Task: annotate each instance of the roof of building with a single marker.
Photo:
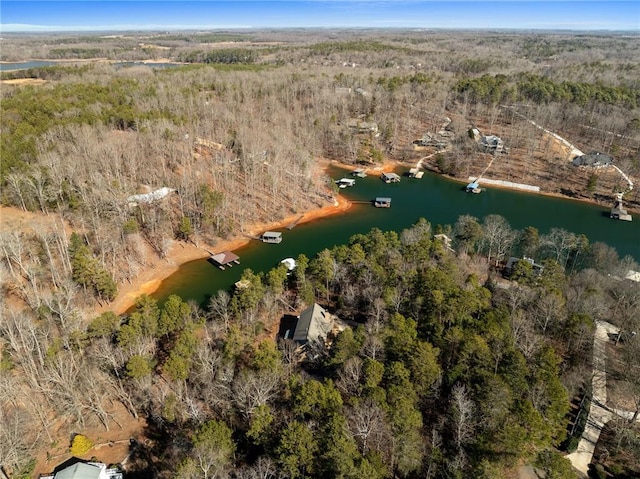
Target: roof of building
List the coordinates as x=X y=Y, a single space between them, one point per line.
x=491 y=140
x=383 y=199
x=271 y=234
x=225 y=257
x=595 y=158
x=151 y=197
x=82 y=470
x=314 y=324
x=391 y=175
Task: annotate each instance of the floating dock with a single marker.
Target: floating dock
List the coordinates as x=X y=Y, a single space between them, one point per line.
x=473 y=187
x=360 y=173
x=416 y=173
x=390 y=178
x=382 y=202
x=345 y=182
x=618 y=212
x=224 y=259
x=271 y=237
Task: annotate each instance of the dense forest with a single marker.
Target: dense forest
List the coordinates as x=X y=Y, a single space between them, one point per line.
x=442 y=369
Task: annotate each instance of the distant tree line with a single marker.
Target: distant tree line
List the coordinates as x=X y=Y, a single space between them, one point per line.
x=493 y=89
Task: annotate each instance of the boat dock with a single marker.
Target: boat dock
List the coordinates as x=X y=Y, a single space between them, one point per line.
x=382 y=202
x=618 y=212
x=271 y=237
x=345 y=182
x=473 y=187
x=224 y=259
x=416 y=173
x=390 y=178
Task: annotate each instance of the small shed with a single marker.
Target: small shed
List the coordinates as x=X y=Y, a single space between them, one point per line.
x=390 y=178
x=271 y=237
x=224 y=259
x=382 y=202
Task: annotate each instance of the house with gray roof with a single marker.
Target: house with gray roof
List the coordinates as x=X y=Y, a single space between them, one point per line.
x=491 y=143
x=78 y=469
x=594 y=159
x=313 y=326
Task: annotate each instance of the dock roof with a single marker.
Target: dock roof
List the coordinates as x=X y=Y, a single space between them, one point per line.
x=225 y=257
x=393 y=176
x=383 y=199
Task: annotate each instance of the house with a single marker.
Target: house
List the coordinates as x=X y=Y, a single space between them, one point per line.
x=491 y=144
x=594 y=159
x=79 y=469
x=150 y=197
x=359 y=126
x=512 y=261
x=390 y=178
x=313 y=326
x=445 y=240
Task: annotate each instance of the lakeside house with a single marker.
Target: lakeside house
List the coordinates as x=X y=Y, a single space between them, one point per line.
x=445 y=240
x=491 y=144
x=150 y=197
x=595 y=159
x=76 y=468
x=313 y=330
x=513 y=261
x=360 y=126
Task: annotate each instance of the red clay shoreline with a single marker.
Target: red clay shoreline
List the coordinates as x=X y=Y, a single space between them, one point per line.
x=180 y=252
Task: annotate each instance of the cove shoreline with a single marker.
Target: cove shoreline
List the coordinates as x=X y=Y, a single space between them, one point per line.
x=180 y=252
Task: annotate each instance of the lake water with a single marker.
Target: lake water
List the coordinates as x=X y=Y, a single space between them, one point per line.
x=437 y=199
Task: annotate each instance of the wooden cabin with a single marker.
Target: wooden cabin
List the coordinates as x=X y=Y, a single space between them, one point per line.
x=224 y=259
x=271 y=237
x=390 y=178
x=381 y=202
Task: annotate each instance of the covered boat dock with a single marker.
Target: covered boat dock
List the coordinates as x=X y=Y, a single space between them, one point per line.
x=224 y=259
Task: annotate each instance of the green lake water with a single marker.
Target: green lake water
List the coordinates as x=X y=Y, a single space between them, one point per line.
x=437 y=199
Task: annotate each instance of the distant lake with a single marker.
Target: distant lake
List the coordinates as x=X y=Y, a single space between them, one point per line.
x=47 y=63
x=435 y=198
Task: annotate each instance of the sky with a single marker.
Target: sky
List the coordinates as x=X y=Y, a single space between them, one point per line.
x=113 y=15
